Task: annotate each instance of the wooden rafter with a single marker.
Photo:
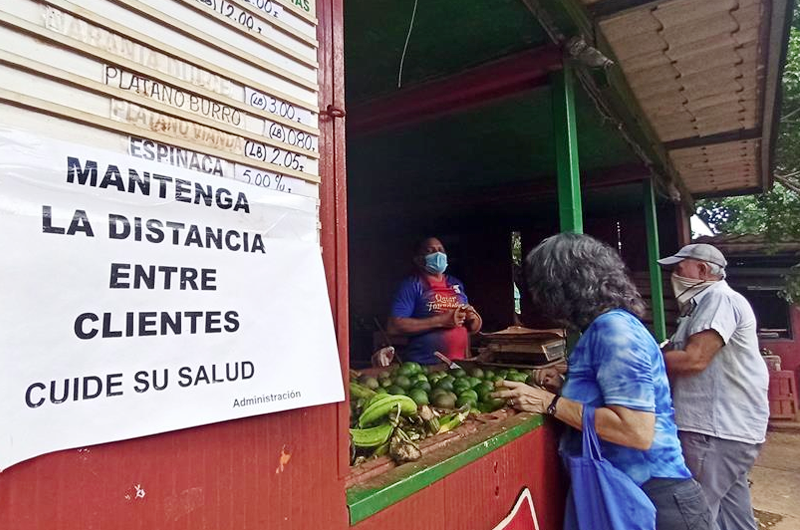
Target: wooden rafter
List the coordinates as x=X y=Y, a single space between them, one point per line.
x=471 y=88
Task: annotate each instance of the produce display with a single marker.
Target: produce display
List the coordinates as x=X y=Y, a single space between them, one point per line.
x=390 y=412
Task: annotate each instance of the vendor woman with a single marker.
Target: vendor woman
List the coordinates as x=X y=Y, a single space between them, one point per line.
x=432 y=308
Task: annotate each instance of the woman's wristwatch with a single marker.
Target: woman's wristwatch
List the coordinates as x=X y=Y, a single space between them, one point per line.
x=551 y=409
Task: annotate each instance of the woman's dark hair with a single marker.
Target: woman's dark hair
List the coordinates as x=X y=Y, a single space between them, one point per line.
x=574 y=278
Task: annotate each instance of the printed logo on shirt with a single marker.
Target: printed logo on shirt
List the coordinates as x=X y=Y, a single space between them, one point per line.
x=441 y=303
x=457 y=289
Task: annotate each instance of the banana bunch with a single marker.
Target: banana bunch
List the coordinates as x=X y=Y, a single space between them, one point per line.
x=381 y=405
x=372 y=437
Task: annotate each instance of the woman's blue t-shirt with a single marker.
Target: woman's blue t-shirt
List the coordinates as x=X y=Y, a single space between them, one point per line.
x=617 y=362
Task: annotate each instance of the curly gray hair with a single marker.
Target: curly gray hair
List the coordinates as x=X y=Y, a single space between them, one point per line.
x=573 y=278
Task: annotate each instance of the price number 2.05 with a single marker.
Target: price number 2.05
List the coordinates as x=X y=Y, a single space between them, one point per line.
x=276 y=156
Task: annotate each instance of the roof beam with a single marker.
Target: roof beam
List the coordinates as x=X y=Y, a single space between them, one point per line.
x=609 y=8
x=471 y=88
x=719 y=138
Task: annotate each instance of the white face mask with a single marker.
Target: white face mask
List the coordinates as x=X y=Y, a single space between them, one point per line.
x=687 y=288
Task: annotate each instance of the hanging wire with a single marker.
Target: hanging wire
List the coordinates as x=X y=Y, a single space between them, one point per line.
x=405 y=46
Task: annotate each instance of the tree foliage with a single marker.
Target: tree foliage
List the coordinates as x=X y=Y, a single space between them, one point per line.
x=775 y=213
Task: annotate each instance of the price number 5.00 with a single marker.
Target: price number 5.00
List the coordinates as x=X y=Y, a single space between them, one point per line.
x=265 y=180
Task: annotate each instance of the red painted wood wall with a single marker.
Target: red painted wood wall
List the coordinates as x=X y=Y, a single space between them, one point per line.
x=788 y=349
x=480 y=495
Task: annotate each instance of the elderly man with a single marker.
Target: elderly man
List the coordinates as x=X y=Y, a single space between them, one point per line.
x=432 y=308
x=719 y=382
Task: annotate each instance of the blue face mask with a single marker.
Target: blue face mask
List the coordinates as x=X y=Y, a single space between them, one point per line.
x=436 y=263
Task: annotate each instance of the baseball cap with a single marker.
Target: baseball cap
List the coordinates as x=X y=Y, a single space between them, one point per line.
x=698 y=251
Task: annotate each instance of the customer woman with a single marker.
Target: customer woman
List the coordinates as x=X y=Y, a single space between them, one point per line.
x=617 y=368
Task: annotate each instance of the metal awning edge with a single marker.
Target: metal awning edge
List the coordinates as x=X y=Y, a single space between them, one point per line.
x=780 y=24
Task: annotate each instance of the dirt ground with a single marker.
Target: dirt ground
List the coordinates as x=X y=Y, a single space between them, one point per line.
x=776 y=482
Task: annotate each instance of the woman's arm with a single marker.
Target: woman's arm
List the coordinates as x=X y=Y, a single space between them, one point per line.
x=615 y=424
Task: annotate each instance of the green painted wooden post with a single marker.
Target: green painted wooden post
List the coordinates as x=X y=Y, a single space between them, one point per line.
x=570 y=207
x=570 y=210
x=656 y=285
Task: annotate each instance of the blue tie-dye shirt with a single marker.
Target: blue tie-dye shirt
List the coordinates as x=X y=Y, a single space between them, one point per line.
x=617 y=362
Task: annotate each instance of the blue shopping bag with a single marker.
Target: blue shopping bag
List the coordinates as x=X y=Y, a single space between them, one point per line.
x=603 y=497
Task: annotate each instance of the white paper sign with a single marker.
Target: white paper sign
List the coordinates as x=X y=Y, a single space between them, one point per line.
x=130 y=310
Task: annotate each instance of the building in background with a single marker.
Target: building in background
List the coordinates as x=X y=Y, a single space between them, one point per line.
x=757 y=269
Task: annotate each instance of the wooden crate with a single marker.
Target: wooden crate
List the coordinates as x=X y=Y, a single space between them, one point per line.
x=782 y=395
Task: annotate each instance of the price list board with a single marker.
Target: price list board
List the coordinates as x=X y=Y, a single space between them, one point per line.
x=224 y=87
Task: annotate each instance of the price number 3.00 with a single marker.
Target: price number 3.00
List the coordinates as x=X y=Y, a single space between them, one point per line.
x=279 y=107
x=270 y=104
x=273 y=155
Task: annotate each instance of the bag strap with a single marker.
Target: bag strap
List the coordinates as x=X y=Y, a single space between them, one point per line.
x=591 y=445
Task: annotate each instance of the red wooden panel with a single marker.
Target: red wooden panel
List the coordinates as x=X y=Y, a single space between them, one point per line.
x=333 y=195
x=479 y=495
x=223 y=476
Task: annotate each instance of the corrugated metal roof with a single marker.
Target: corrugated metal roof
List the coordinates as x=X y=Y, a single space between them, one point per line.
x=698 y=70
x=693 y=64
x=714 y=169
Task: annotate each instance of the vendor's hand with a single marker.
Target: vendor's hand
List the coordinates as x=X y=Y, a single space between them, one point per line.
x=383 y=357
x=471 y=314
x=523 y=397
x=460 y=316
x=448 y=319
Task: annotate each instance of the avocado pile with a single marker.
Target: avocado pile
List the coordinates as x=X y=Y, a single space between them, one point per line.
x=447 y=389
x=391 y=412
